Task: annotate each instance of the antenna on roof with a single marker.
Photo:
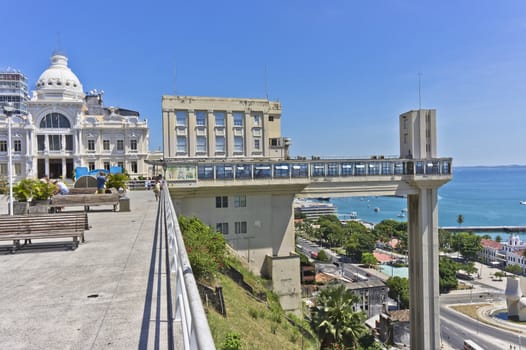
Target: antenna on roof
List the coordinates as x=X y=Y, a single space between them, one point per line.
x=266 y=81
x=419 y=90
x=175 y=79
x=58 y=42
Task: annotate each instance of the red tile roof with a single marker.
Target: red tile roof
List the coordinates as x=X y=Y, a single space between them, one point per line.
x=381 y=257
x=488 y=243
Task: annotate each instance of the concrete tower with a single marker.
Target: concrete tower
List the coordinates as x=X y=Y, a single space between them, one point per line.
x=418 y=141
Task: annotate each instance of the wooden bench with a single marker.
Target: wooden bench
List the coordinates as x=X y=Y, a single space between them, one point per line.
x=27 y=227
x=85 y=190
x=86 y=200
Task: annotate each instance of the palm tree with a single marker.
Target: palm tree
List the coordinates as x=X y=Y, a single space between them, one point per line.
x=335 y=321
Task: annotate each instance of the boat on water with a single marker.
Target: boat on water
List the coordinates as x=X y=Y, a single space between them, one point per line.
x=376 y=209
x=523 y=202
x=401 y=214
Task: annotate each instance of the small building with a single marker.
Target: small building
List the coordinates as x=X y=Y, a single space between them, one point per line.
x=393 y=327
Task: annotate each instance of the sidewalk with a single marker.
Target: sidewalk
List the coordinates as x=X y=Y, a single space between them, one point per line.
x=107 y=294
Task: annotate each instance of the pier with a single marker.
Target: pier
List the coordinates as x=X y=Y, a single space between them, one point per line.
x=484 y=228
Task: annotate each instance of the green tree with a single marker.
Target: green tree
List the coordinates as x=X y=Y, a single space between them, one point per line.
x=499 y=275
x=447 y=270
x=369 y=260
x=399 y=290
x=355 y=227
x=323 y=256
x=334 y=320
x=498 y=239
x=206 y=248
x=444 y=239
x=331 y=230
x=515 y=269
x=358 y=244
x=468 y=244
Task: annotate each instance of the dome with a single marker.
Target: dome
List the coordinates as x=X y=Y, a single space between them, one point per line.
x=58 y=78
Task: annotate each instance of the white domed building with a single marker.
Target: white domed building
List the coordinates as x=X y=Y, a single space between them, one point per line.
x=66 y=129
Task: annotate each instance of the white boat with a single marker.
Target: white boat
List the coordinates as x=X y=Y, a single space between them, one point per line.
x=376 y=209
x=523 y=202
x=401 y=214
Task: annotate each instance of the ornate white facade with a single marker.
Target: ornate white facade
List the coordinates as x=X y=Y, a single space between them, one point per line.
x=66 y=128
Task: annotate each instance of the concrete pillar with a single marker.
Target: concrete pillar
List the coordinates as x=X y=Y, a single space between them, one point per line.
x=423 y=269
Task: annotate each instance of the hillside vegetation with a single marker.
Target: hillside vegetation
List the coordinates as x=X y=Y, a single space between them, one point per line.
x=258 y=326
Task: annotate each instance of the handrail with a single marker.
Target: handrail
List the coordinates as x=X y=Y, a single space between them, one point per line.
x=186 y=302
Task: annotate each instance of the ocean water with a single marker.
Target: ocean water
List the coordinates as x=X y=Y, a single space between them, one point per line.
x=485 y=196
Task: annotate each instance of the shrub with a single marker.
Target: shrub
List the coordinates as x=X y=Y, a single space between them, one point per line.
x=118 y=181
x=232 y=341
x=33 y=189
x=206 y=248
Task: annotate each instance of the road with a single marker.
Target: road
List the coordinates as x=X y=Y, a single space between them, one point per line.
x=454 y=326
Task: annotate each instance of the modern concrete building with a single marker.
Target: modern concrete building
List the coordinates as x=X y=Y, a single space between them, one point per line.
x=65 y=128
x=222 y=128
x=249 y=197
x=13 y=89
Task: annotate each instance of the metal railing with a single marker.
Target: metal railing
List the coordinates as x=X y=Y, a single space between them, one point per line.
x=179 y=171
x=187 y=307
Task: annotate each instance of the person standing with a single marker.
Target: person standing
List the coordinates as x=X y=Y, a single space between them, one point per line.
x=157 y=189
x=101 y=182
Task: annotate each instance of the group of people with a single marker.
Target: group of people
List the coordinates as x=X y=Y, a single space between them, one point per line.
x=62 y=188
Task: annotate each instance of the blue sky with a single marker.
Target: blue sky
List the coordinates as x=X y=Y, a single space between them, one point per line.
x=344 y=70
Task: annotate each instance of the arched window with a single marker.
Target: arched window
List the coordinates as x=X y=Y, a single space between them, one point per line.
x=55 y=121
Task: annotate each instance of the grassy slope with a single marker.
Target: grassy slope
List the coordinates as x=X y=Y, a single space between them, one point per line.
x=253 y=321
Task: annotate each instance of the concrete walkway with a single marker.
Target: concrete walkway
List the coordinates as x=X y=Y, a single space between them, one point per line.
x=107 y=294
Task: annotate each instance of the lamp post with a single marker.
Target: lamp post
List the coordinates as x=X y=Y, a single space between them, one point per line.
x=8 y=112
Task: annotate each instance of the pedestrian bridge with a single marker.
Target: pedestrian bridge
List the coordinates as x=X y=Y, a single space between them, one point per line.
x=310 y=178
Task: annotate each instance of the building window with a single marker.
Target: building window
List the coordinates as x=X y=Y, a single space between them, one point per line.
x=133 y=144
x=257 y=144
x=120 y=145
x=91 y=166
x=91 y=145
x=3 y=146
x=200 y=118
x=238 y=144
x=121 y=164
x=220 y=118
x=3 y=169
x=69 y=142
x=256 y=132
x=181 y=144
x=134 y=167
x=106 y=145
x=17 y=145
x=200 y=144
x=240 y=201
x=240 y=227
x=107 y=166
x=220 y=144
x=270 y=118
x=222 y=227
x=180 y=118
x=238 y=119
x=257 y=119
x=222 y=202
x=54 y=142
x=55 y=121
x=41 y=145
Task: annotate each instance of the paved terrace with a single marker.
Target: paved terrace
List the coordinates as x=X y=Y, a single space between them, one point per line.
x=107 y=294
